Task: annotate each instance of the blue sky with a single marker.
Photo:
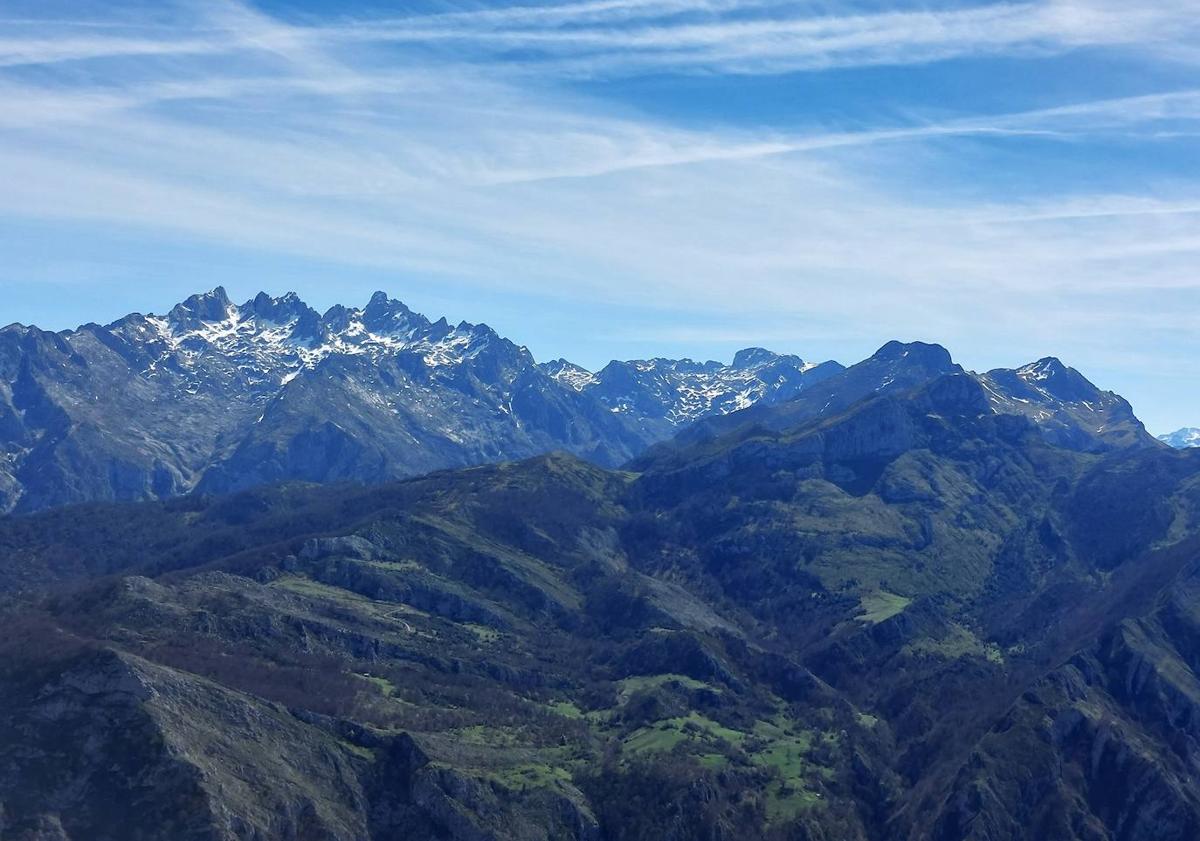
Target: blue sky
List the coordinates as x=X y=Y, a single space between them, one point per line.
x=621 y=178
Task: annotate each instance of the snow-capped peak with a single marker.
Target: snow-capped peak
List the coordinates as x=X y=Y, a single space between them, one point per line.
x=753 y=356
x=387 y=316
x=569 y=374
x=1050 y=379
x=1043 y=369
x=679 y=391
x=270 y=341
x=205 y=307
x=1182 y=439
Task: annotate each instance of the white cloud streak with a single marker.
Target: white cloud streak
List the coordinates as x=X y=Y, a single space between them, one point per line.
x=616 y=37
x=408 y=145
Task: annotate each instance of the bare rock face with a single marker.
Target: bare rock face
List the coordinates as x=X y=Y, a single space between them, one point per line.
x=350 y=546
x=157 y=754
x=1069 y=409
x=112 y=748
x=1105 y=747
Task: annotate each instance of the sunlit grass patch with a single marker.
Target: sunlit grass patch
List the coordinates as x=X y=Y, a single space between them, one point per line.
x=879 y=605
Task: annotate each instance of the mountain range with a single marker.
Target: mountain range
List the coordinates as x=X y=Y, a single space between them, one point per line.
x=1189 y=436
x=910 y=602
x=215 y=397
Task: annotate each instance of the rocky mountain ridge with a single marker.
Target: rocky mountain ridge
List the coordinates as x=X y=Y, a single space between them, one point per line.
x=1061 y=403
x=214 y=397
x=661 y=395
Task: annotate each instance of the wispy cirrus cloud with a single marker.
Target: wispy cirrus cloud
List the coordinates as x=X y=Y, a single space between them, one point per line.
x=777 y=37
x=631 y=36
x=457 y=147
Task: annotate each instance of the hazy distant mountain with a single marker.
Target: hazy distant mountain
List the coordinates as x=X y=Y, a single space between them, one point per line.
x=1180 y=439
x=660 y=395
x=218 y=396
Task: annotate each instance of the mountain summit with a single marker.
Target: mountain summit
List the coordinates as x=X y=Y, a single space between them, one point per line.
x=1065 y=405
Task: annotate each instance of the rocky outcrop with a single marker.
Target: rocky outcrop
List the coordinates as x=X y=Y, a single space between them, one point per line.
x=1105 y=747
x=109 y=747
x=112 y=747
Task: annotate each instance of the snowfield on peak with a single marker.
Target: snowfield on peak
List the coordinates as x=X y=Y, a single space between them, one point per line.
x=1182 y=439
x=663 y=394
x=273 y=340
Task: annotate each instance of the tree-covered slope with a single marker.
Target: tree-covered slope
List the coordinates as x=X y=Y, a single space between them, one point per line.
x=912 y=617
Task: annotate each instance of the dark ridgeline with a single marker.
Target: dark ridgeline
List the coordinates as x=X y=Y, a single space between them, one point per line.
x=905 y=601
